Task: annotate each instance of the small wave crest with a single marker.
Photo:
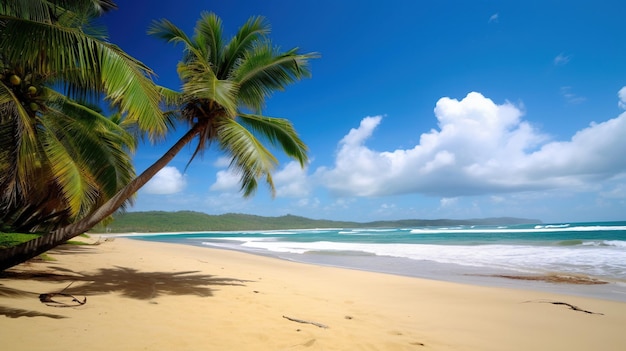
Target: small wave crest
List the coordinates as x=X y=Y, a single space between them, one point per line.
x=552 y=226
x=614 y=243
x=556 y=228
x=570 y=243
x=342 y=253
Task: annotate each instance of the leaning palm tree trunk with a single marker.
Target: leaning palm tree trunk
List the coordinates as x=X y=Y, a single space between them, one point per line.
x=15 y=255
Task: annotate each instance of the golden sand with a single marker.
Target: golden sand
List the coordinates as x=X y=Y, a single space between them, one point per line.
x=155 y=296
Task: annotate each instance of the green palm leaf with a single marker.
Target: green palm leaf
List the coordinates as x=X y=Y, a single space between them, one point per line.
x=201 y=83
x=89 y=156
x=279 y=132
x=254 y=30
x=84 y=64
x=263 y=71
x=208 y=40
x=248 y=156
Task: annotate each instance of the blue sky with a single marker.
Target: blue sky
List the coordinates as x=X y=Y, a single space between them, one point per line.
x=418 y=109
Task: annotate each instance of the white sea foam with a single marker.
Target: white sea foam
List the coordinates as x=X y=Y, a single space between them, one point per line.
x=616 y=243
x=241 y=239
x=552 y=226
x=589 y=260
x=536 y=229
x=277 y=232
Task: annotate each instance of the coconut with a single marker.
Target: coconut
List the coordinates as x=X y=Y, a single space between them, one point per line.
x=15 y=79
x=32 y=90
x=34 y=106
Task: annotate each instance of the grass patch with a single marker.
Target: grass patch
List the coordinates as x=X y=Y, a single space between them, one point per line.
x=45 y=258
x=76 y=242
x=12 y=239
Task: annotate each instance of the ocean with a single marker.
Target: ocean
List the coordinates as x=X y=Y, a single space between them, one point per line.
x=468 y=254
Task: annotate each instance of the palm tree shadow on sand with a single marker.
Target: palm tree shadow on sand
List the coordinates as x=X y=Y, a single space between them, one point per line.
x=128 y=282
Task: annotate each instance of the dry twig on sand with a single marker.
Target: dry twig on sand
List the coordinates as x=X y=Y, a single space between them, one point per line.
x=575 y=308
x=48 y=301
x=306 y=322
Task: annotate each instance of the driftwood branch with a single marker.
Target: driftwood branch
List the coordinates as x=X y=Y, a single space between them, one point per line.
x=575 y=308
x=48 y=300
x=306 y=322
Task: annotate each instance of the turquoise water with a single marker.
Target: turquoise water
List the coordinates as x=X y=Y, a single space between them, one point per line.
x=458 y=253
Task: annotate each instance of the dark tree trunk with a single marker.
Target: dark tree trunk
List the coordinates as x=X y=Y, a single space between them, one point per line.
x=15 y=255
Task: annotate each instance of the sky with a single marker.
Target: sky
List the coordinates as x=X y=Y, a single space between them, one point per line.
x=416 y=109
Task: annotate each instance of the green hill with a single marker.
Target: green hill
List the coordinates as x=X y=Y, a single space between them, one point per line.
x=190 y=221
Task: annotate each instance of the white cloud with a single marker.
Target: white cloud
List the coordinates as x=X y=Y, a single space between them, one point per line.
x=494 y=18
x=561 y=59
x=479 y=148
x=622 y=98
x=227 y=181
x=291 y=181
x=168 y=180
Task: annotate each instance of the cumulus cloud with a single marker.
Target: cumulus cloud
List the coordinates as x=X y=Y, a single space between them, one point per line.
x=168 y=180
x=291 y=181
x=226 y=181
x=479 y=148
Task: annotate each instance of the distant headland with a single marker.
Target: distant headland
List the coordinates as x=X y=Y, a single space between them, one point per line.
x=191 y=221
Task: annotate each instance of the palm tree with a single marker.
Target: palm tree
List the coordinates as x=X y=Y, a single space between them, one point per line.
x=224 y=90
x=81 y=159
x=61 y=158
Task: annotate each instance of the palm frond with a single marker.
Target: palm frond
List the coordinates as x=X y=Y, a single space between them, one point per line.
x=169 y=32
x=26 y=143
x=99 y=150
x=82 y=64
x=279 y=132
x=127 y=87
x=200 y=83
x=249 y=157
x=170 y=98
x=264 y=71
x=76 y=188
x=37 y=10
x=208 y=37
x=254 y=30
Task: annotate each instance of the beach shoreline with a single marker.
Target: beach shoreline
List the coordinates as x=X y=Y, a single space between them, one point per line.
x=554 y=280
x=159 y=296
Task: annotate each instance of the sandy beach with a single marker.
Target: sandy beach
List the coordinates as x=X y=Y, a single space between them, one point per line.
x=155 y=296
